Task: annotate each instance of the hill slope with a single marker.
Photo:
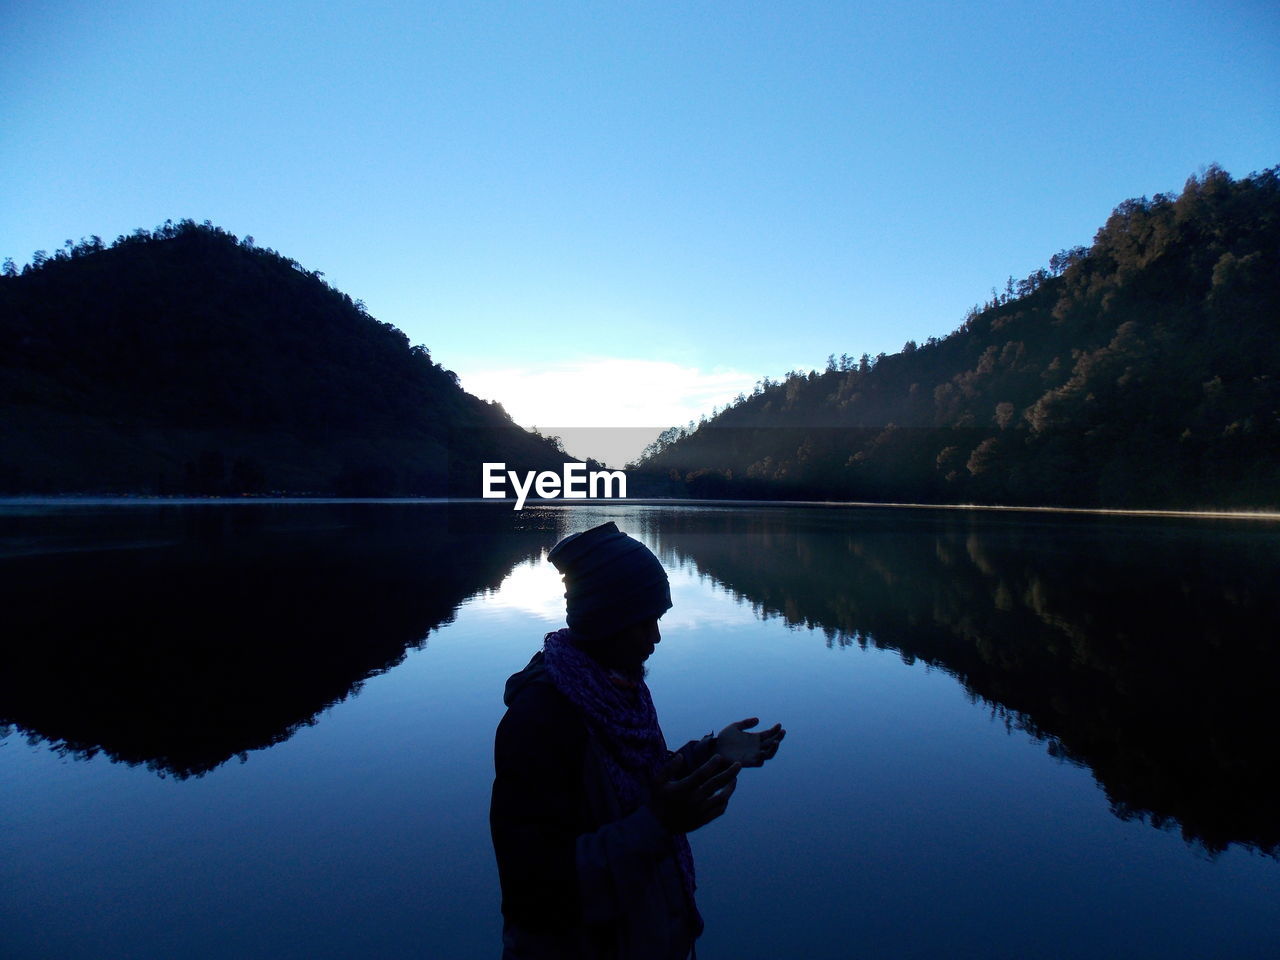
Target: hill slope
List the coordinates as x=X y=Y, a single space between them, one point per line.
x=186 y=361
x=1141 y=372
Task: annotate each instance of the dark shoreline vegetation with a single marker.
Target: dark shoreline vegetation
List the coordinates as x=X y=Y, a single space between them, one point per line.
x=183 y=361
x=1140 y=372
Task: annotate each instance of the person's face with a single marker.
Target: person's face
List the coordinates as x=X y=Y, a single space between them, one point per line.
x=630 y=647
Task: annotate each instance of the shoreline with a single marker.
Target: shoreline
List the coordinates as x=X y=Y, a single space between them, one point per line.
x=100 y=500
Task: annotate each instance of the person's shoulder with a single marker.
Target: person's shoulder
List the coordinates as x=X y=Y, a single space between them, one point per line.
x=541 y=728
x=541 y=704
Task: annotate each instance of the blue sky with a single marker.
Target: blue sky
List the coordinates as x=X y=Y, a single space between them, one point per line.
x=623 y=213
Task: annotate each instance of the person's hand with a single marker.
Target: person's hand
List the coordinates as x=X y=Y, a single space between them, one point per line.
x=734 y=743
x=685 y=803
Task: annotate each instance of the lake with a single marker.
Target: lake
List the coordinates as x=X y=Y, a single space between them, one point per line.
x=241 y=730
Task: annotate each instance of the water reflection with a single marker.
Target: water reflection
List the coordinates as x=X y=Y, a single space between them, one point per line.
x=179 y=637
x=1145 y=650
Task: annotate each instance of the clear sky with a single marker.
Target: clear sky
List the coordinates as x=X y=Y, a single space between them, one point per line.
x=623 y=213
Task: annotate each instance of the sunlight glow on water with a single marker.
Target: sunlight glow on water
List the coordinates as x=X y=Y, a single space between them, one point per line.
x=532 y=588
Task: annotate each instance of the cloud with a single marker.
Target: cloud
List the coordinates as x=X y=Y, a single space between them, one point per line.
x=607 y=407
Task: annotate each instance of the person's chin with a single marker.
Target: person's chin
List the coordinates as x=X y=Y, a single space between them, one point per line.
x=637 y=672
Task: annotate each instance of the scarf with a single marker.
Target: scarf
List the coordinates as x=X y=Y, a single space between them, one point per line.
x=624 y=721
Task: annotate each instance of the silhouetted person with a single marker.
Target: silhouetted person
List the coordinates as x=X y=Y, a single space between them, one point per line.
x=590 y=809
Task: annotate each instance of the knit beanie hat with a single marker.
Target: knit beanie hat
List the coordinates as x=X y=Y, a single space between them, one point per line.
x=611 y=581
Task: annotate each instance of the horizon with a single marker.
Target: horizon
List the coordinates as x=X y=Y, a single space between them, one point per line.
x=91 y=500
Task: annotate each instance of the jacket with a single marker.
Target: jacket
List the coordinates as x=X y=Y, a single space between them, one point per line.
x=581 y=876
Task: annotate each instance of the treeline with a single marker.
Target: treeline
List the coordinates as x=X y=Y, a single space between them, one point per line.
x=1139 y=372
x=184 y=360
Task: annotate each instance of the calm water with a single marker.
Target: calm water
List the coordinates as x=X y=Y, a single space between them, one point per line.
x=265 y=730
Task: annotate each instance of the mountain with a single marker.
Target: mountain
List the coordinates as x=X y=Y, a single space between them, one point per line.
x=183 y=360
x=1139 y=372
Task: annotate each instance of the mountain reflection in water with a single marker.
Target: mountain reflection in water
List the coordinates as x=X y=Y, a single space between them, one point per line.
x=1146 y=650
x=179 y=637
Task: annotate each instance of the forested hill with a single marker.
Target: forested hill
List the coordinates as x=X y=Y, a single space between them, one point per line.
x=1143 y=371
x=185 y=361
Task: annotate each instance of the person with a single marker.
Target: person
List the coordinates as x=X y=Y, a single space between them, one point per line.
x=589 y=810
